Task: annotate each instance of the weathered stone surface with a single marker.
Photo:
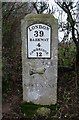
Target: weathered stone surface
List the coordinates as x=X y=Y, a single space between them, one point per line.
x=39 y=75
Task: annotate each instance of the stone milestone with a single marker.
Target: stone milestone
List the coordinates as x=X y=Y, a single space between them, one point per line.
x=39 y=58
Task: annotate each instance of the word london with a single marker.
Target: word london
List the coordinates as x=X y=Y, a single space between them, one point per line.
x=38 y=26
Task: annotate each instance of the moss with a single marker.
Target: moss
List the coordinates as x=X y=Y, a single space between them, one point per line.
x=43 y=16
x=39 y=18
x=43 y=111
x=30 y=109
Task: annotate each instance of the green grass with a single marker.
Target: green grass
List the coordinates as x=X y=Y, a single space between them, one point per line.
x=29 y=109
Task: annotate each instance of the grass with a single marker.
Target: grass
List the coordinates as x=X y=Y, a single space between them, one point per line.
x=29 y=109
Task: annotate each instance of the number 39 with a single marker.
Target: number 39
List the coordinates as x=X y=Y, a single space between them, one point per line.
x=38 y=33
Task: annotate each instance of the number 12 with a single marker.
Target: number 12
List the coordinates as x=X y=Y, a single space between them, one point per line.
x=38 y=54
